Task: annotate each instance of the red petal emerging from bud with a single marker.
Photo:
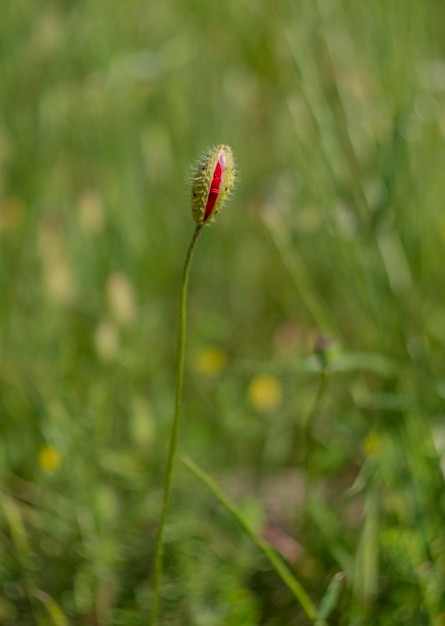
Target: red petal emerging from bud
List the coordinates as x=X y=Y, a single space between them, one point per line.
x=214 y=190
x=212 y=183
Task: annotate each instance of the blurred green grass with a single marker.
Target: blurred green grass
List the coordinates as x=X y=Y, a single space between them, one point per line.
x=336 y=113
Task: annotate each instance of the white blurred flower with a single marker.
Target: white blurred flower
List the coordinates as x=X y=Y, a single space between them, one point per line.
x=106 y=341
x=121 y=299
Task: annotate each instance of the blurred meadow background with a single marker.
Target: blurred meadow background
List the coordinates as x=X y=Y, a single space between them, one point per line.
x=315 y=366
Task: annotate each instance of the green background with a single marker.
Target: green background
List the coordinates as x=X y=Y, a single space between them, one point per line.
x=324 y=272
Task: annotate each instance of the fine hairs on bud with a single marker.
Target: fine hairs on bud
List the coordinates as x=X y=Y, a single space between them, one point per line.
x=212 y=183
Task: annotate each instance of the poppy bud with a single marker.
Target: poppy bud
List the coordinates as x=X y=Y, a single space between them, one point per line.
x=212 y=182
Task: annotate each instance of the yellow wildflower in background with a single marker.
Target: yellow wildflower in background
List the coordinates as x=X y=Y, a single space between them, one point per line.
x=265 y=393
x=50 y=458
x=210 y=362
x=372 y=444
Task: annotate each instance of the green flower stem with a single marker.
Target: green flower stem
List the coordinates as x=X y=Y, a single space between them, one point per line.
x=175 y=427
x=280 y=567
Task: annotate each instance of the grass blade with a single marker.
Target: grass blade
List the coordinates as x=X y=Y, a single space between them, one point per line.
x=280 y=567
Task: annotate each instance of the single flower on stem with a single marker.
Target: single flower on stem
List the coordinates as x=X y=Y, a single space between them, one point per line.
x=212 y=182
